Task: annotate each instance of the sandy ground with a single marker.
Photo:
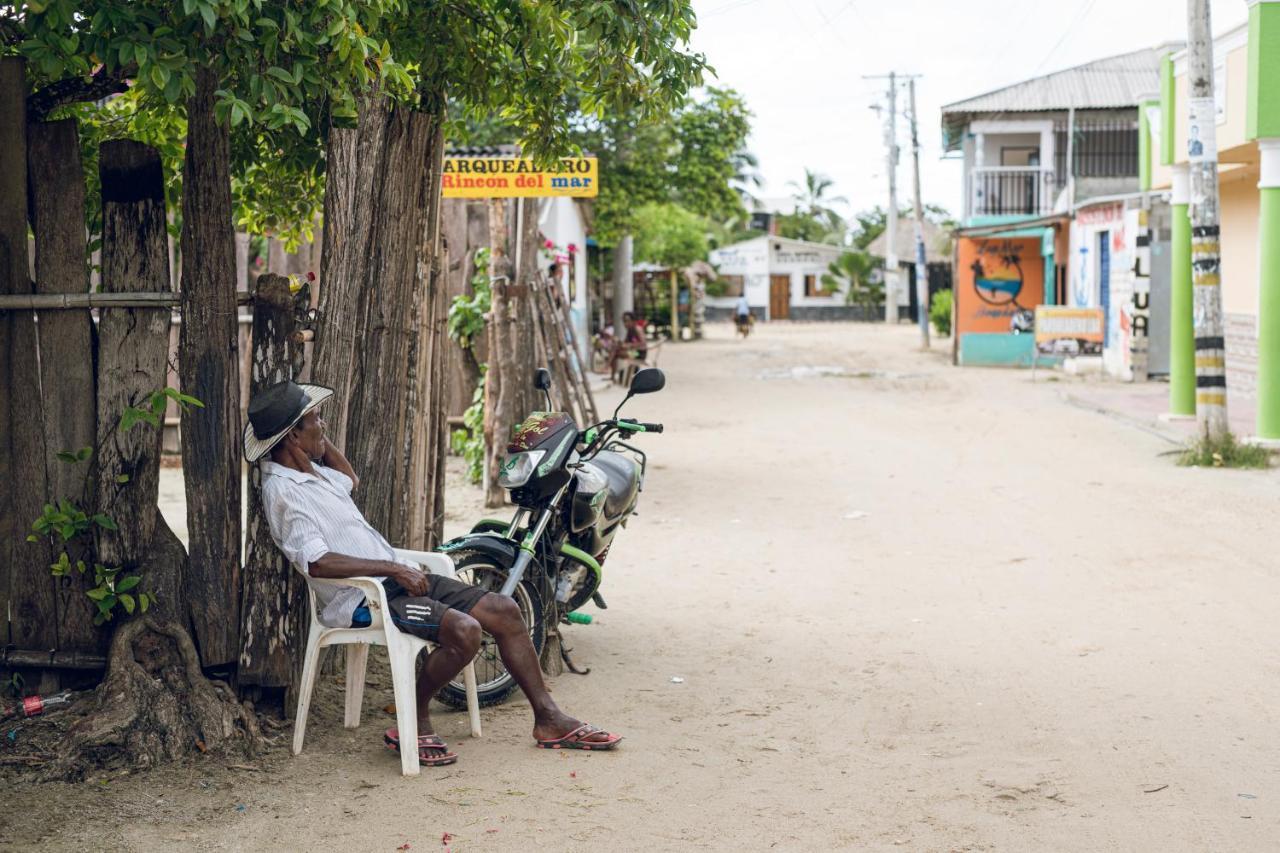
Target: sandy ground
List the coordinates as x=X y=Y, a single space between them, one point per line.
x=913 y=607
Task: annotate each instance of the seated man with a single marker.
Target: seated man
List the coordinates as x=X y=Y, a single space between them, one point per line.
x=632 y=344
x=306 y=495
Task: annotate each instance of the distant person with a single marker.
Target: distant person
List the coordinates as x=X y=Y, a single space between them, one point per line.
x=742 y=315
x=632 y=343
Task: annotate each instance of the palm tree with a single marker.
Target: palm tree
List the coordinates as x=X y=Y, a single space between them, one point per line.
x=856 y=268
x=812 y=198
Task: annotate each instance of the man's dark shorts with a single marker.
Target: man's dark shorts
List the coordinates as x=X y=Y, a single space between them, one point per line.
x=422 y=614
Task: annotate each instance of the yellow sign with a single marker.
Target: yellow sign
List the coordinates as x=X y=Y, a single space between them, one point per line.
x=509 y=177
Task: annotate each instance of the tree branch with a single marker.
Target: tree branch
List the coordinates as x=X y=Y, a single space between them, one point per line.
x=76 y=89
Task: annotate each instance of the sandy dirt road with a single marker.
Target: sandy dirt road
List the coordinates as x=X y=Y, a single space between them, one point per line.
x=913 y=607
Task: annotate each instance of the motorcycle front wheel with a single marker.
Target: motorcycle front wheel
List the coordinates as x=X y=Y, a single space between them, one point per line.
x=493 y=682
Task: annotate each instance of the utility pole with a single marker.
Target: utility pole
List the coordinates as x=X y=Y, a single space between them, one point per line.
x=922 y=266
x=891 y=238
x=1206 y=261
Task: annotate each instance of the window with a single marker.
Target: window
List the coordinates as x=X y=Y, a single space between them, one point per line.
x=733 y=285
x=812 y=287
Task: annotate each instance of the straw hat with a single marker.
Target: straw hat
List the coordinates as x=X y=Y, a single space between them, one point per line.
x=275 y=410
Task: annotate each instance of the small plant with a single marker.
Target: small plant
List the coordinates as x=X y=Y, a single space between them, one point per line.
x=940 y=312
x=1224 y=452
x=13 y=685
x=468 y=442
x=72 y=527
x=467 y=313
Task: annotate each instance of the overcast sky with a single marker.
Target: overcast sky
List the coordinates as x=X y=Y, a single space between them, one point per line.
x=800 y=65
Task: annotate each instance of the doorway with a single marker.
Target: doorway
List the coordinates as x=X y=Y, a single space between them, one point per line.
x=779 y=297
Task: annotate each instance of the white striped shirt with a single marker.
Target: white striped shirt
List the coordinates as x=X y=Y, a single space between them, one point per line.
x=311 y=515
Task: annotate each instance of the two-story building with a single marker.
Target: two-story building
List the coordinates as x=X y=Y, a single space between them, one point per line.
x=1245 y=131
x=1034 y=153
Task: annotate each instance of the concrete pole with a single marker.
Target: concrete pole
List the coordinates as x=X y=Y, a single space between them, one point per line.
x=922 y=266
x=1182 y=339
x=891 y=236
x=1206 y=259
x=1269 y=290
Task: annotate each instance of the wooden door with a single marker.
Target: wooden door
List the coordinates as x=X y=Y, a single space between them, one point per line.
x=779 y=297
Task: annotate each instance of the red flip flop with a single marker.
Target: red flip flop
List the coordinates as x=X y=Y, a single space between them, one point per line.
x=426 y=744
x=577 y=739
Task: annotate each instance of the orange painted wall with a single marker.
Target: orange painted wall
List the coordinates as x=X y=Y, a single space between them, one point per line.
x=1011 y=279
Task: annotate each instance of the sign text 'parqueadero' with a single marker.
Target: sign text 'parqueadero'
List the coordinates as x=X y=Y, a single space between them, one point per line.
x=510 y=177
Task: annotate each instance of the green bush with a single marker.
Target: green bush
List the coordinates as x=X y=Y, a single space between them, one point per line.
x=1224 y=452
x=940 y=312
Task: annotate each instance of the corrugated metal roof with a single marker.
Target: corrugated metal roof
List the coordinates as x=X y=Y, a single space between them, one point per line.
x=1117 y=81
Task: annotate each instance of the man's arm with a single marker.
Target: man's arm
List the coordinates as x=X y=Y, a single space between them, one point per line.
x=339 y=566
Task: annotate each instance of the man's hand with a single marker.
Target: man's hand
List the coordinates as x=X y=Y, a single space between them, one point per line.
x=414 y=581
x=297 y=457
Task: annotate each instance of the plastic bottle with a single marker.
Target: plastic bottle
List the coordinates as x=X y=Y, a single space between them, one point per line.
x=34 y=706
x=580 y=618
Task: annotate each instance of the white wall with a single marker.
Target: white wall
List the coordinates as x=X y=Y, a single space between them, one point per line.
x=561 y=221
x=750 y=260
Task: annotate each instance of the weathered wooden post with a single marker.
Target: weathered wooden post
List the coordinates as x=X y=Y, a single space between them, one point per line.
x=273 y=612
x=207 y=366
x=67 y=381
x=26 y=587
x=133 y=348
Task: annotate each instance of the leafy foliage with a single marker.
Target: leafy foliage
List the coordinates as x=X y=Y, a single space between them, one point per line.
x=468 y=442
x=669 y=235
x=72 y=527
x=467 y=314
x=940 y=312
x=853 y=270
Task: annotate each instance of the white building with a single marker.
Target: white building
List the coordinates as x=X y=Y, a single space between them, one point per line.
x=781 y=277
x=563 y=221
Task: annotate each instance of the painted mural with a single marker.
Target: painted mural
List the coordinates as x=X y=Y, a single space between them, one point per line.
x=1001 y=282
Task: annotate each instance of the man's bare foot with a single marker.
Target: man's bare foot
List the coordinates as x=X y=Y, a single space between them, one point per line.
x=563 y=731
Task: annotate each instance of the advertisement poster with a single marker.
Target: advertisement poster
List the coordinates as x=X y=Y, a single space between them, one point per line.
x=1061 y=330
x=999 y=282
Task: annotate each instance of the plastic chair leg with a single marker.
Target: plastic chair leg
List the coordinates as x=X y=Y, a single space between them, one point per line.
x=473 y=699
x=309 y=666
x=402 y=678
x=357 y=659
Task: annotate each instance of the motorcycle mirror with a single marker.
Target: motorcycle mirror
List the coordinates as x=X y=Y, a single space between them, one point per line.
x=542 y=379
x=648 y=380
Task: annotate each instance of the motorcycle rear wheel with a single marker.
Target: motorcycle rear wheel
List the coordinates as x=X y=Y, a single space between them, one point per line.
x=493 y=682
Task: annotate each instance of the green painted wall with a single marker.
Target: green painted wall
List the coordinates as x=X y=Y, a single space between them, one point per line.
x=1182 y=340
x=994 y=349
x=1168 y=92
x=1144 y=146
x=1262 y=118
x=1269 y=313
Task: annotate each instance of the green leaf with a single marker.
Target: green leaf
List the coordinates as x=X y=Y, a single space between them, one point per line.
x=83 y=454
x=128 y=583
x=105 y=521
x=33 y=538
x=210 y=18
x=66 y=456
x=99 y=593
x=144 y=601
x=127 y=600
x=122 y=478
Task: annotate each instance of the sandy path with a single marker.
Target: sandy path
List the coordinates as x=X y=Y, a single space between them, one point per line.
x=1037 y=620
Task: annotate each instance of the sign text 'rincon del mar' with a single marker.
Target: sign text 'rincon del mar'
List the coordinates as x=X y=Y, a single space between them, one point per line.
x=510 y=177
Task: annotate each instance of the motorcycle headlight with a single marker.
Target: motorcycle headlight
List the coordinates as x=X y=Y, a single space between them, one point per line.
x=517 y=468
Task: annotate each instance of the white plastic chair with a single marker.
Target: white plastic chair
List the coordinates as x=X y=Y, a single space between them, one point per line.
x=402 y=649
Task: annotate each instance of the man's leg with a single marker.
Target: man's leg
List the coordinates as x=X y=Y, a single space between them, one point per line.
x=457 y=642
x=500 y=616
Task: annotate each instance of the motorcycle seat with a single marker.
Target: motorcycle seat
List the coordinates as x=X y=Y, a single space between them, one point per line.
x=623 y=476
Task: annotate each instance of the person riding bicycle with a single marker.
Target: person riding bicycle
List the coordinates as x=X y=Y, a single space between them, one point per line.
x=742 y=312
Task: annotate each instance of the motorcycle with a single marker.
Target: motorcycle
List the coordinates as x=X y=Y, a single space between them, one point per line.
x=573 y=490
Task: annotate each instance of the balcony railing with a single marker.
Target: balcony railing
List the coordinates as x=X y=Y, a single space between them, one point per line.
x=1011 y=190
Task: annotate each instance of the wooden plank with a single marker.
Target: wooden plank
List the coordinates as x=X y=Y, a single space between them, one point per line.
x=208 y=370
x=68 y=384
x=133 y=347
x=274 y=616
x=79 y=301
x=27 y=600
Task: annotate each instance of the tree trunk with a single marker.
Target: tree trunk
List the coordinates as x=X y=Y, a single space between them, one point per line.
x=273 y=603
x=133 y=349
x=27 y=598
x=208 y=368
x=379 y=271
x=57 y=194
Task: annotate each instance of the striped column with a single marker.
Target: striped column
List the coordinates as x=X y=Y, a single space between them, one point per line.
x=1269 y=290
x=1182 y=349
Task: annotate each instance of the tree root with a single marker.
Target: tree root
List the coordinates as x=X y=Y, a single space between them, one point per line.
x=154 y=706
